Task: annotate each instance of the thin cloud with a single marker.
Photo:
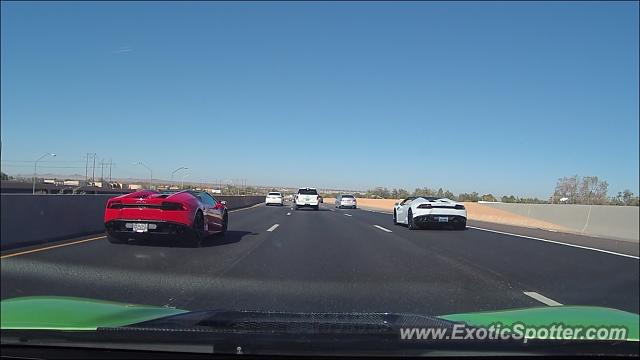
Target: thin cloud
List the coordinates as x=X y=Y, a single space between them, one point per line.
x=123 y=50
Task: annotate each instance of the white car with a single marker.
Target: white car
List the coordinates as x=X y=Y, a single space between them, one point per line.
x=307 y=197
x=346 y=200
x=274 y=198
x=420 y=211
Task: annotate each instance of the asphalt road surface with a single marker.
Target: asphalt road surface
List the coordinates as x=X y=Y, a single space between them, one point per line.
x=277 y=258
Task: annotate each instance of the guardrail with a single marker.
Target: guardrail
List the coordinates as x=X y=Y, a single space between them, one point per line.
x=33 y=219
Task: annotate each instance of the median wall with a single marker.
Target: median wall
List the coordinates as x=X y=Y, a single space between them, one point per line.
x=28 y=219
x=618 y=222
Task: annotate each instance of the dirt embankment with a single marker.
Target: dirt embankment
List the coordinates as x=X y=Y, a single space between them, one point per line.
x=475 y=211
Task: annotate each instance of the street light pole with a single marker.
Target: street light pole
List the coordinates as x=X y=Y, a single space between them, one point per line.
x=35 y=168
x=93 y=172
x=150 y=172
x=182 y=183
x=176 y=170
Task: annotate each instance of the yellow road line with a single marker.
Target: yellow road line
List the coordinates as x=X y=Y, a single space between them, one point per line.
x=51 y=247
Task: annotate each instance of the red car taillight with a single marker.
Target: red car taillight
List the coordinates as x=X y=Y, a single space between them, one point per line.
x=167 y=205
x=424 y=206
x=117 y=204
x=459 y=207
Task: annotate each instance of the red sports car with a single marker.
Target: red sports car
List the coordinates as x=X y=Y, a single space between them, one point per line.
x=186 y=216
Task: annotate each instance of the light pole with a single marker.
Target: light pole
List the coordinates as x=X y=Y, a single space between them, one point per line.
x=182 y=183
x=176 y=170
x=150 y=172
x=35 y=168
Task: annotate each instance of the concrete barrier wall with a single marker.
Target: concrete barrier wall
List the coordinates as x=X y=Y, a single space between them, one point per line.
x=238 y=202
x=32 y=219
x=619 y=222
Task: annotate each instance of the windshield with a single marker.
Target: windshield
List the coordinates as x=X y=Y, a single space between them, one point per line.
x=430 y=198
x=165 y=158
x=307 y=192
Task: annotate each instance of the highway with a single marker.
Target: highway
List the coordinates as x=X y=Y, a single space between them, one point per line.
x=331 y=260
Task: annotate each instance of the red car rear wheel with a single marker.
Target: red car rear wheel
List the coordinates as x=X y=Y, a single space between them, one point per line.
x=198 y=228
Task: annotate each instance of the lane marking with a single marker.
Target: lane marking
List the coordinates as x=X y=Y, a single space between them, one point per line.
x=52 y=247
x=273 y=227
x=247 y=208
x=543 y=299
x=557 y=242
x=381 y=228
x=348 y=215
x=288 y=214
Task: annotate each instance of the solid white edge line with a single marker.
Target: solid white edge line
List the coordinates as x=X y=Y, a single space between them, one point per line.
x=543 y=299
x=557 y=242
x=381 y=228
x=273 y=227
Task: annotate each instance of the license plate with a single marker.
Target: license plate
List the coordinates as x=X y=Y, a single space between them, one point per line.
x=443 y=219
x=140 y=227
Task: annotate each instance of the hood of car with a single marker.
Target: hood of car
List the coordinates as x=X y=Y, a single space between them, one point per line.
x=69 y=313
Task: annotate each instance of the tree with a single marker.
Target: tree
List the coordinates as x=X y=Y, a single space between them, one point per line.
x=624 y=198
x=449 y=195
x=379 y=193
x=567 y=187
x=488 y=197
x=531 y=201
x=4 y=176
x=627 y=197
x=587 y=190
x=469 y=197
x=509 y=199
x=424 y=192
x=402 y=194
x=592 y=191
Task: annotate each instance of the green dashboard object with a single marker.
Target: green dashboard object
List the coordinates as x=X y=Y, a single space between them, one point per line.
x=69 y=313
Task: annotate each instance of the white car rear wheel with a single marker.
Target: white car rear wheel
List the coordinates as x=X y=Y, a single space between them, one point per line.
x=410 y=223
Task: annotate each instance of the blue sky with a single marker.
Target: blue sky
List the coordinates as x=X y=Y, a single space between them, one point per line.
x=488 y=97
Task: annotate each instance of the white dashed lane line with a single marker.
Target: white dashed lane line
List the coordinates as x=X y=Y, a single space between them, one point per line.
x=381 y=228
x=543 y=299
x=273 y=227
x=348 y=215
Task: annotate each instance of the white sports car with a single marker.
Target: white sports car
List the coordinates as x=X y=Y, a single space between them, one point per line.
x=419 y=211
